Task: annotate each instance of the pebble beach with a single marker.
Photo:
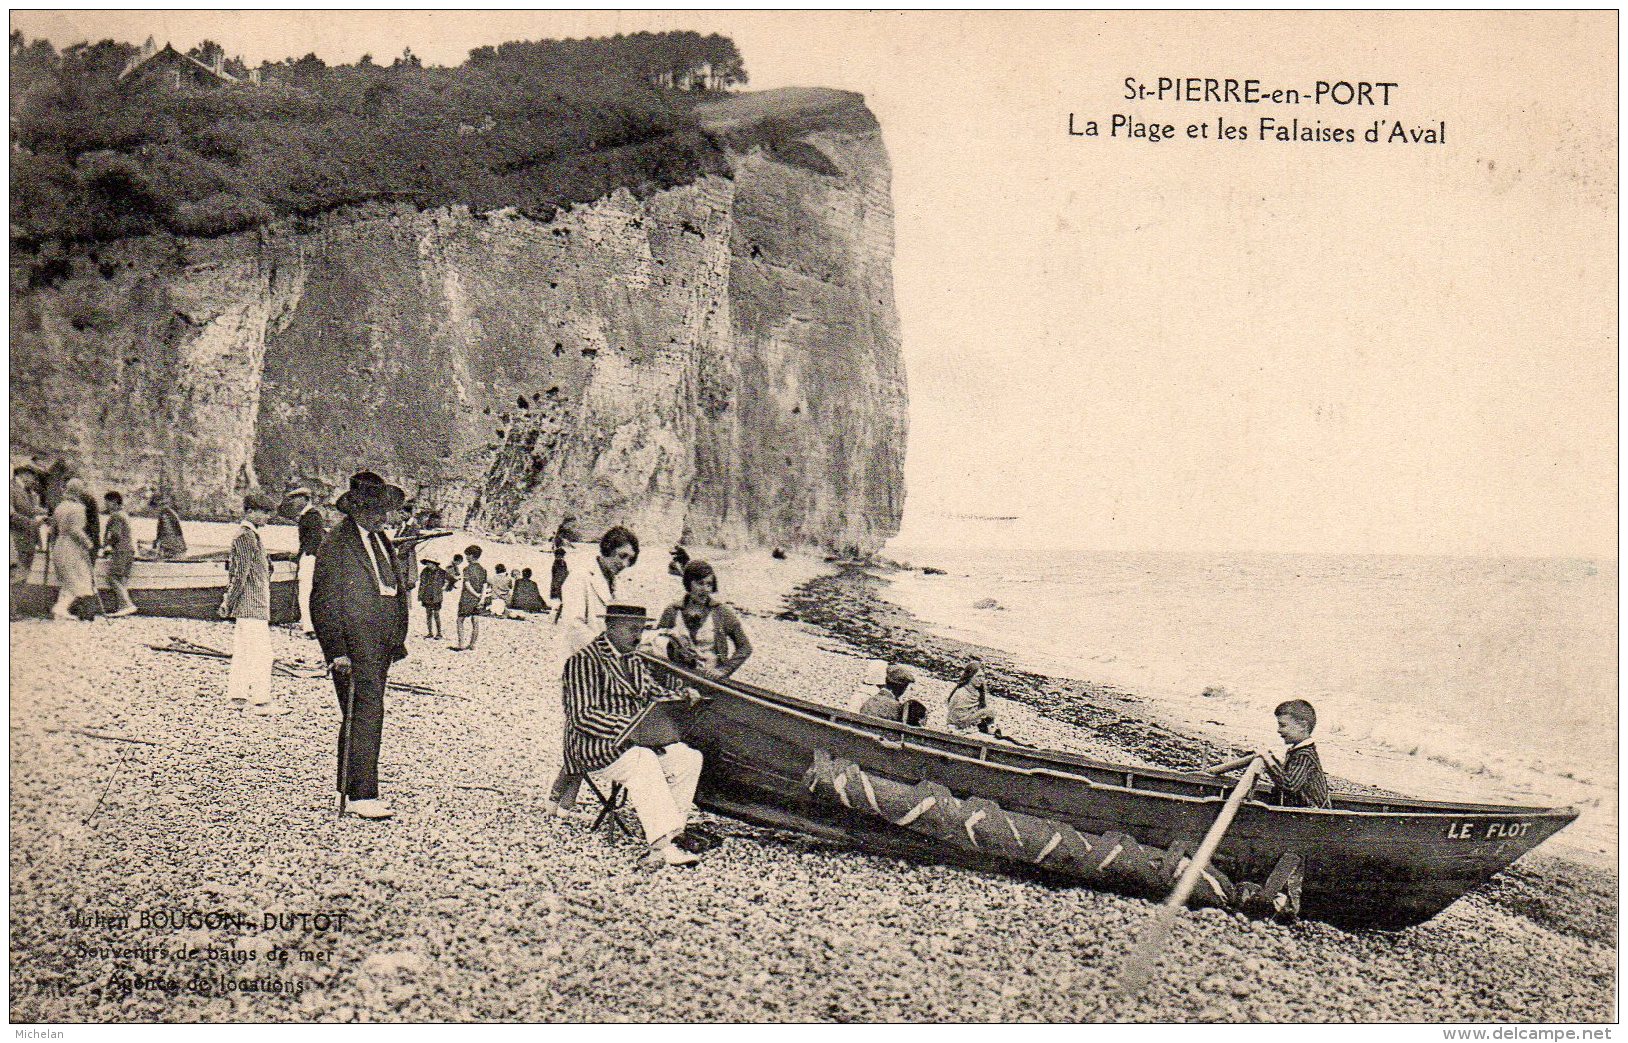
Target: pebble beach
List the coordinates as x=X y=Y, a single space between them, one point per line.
x=176 y=860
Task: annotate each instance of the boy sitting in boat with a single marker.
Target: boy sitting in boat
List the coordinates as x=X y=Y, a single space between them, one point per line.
x=1298 y=773
x=890 y=701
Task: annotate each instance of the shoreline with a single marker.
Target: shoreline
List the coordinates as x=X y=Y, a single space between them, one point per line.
x=471 y=906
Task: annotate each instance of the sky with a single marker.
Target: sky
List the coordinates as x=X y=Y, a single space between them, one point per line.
x=1194 y=345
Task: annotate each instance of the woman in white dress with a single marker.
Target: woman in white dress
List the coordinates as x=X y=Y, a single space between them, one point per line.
x=73 y=555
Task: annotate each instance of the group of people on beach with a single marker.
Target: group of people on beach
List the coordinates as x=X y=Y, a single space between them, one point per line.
x=608 y=691
x=54 y=514
x=355 y=584
x=505 y=594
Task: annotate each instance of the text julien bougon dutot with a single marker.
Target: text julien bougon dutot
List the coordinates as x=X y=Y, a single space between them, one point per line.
x=1341 y=112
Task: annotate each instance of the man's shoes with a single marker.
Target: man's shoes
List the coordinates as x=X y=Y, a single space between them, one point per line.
x=697 y=841
x=311 y=634
x=369 y=809
x=61 y=615
x=268 y=709
x=128 y=610
x=238 y=701
x=667 y=855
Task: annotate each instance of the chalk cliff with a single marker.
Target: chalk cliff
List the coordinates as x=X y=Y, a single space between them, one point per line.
x=719 y=360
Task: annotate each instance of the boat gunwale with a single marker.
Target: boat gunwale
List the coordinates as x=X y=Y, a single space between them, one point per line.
x=871 y=727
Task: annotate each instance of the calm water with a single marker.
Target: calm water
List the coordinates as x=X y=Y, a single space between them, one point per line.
x=1451 y=675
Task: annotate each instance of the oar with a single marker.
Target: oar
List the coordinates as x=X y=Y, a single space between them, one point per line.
x=1232 y=765
x=1140 y=966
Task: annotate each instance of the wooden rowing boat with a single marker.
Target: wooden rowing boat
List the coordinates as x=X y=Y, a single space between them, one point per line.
x=189 y=586
x=1368 y=861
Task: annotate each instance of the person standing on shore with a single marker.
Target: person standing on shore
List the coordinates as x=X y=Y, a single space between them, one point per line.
x=248 y=604
x=308 y=522
x=120 y=548
x=360 y=612
x=432 y=589
x=707 y=634
x=169 y=542
x=406 y=542
x=72 y=552
x=26 y=517
x=584 y=600
x=556 y=581
x=472 y=598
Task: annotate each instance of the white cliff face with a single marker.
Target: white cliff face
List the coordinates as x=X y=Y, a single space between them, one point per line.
x=807 y=407
x=231 y=309
x=718 y=361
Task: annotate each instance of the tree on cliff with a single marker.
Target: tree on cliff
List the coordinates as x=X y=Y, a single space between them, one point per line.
x=555 y=123
x=209 y=52
x=681 y=60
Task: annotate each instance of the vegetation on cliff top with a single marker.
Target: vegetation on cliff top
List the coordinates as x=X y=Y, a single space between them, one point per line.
x=529 y=125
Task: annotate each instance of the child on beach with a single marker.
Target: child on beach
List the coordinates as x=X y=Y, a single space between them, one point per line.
x=502 y=590
x=120 y=548
x=471 y=599
x=556 y=581
x=432 y=588
x=1298 y=773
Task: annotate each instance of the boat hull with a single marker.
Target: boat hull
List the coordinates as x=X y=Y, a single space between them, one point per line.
x=1369 y=862
x=189 y=587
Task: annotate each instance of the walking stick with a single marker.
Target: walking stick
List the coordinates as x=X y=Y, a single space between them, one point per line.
x=349 y=704
x=1140 y=966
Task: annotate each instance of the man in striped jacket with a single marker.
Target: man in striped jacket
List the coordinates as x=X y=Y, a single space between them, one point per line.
x=605 y=686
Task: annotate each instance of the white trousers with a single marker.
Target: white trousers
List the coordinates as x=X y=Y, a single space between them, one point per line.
x=661 y=787
x=307 y=567
x=250 y=679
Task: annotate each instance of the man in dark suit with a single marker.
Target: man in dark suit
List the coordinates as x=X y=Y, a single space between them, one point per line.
x=359 y=609
x=308 y=518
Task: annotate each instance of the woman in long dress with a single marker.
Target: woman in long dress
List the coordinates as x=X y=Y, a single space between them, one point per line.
x=73 y=555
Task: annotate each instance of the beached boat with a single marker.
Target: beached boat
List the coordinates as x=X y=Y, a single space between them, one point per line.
x=1367 y=862
x=191 y=585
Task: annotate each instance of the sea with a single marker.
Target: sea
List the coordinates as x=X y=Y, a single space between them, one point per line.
x=1453 y=678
